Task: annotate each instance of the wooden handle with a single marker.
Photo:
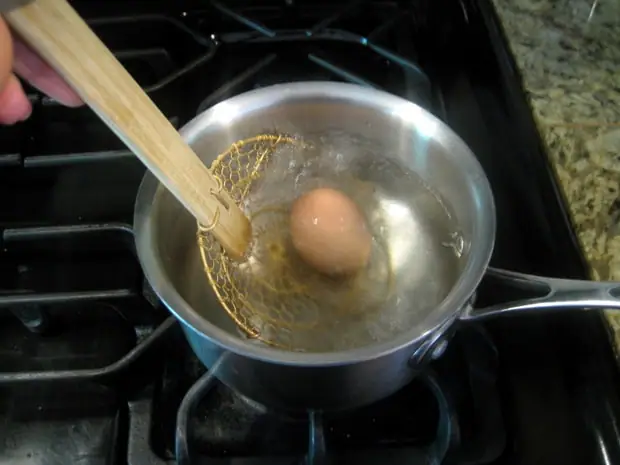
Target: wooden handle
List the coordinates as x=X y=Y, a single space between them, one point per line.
x=60 y=36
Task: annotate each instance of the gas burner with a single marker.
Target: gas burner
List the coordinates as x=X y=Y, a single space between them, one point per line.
x=426 y=422
x=317 y=452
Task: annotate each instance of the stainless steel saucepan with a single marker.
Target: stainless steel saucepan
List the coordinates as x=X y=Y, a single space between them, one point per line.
x=368 y=120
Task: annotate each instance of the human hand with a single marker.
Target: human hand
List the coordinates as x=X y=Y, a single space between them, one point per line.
x=15 y=56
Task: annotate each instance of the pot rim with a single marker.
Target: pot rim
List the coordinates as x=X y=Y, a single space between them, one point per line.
x=482 y=241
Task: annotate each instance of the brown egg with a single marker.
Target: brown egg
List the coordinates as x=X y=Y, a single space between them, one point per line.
x=329 y=232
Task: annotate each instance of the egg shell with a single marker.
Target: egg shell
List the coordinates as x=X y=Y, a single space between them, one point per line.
x=329 y=232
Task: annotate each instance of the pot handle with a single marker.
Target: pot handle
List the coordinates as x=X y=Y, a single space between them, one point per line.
x=547 y=294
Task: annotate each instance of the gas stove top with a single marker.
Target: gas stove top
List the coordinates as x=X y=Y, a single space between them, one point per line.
x=94 y=371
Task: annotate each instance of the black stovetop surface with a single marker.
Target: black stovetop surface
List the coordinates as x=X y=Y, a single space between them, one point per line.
x=92 y=368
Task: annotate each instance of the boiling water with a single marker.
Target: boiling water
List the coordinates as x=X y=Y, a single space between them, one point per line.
x=414 y=260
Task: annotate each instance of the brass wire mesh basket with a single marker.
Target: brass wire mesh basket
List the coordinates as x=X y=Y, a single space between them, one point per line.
x=271 y=296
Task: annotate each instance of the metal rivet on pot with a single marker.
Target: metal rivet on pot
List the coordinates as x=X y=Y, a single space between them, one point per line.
x=439 y=349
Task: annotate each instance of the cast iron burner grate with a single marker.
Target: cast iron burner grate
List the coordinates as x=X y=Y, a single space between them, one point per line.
x=363 y=42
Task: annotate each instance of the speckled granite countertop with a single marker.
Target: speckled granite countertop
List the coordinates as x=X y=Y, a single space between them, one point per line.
x=568 y=52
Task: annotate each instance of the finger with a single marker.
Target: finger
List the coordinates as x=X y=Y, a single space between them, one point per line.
x=14 y=105
x=39 y=74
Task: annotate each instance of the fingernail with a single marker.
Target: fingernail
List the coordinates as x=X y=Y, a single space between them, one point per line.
x=14 y=105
